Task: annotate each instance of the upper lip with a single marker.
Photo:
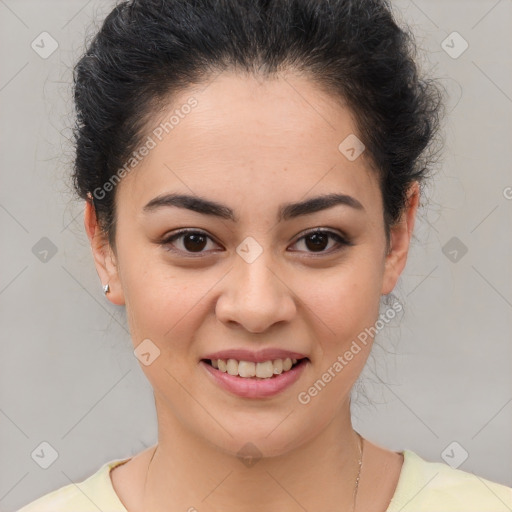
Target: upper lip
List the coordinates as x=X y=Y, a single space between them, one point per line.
x=259 y=356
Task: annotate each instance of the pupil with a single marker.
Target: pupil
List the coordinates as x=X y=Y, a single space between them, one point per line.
x=197 y=242
x=318 y=239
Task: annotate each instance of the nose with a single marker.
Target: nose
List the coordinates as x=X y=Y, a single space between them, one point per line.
x=255 y=296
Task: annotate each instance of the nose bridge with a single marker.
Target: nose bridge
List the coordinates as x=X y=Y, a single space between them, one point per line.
x=256 y=279
x=256 y=296
x=253 y=264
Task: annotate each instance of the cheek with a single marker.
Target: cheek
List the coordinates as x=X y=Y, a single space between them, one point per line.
x=163 y=302
x=343 y=309
x=346 y=300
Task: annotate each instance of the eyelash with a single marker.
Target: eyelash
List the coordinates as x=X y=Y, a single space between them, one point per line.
x=338 y=238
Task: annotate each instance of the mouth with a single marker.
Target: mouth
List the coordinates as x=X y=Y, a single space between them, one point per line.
x=263 y=370
x=261 y=380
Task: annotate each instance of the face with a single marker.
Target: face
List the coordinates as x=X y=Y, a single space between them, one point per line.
x=250 y=274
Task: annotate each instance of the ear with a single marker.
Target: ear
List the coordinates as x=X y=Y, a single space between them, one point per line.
x=104 y=258
x=400 y=237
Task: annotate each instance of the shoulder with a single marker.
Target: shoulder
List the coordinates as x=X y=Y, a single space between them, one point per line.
x=437 y=487
x=92 y=494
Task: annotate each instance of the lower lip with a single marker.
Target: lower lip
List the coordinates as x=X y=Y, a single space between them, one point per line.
x=255 y=388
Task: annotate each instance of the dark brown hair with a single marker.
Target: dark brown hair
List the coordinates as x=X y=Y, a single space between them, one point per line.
x=147 y=50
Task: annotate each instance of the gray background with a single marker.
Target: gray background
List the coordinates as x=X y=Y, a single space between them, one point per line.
x=68 y=375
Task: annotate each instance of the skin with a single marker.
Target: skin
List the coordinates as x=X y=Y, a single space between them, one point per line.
x=253 y=145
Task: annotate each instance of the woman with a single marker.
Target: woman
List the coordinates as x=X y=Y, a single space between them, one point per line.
x=252 y=173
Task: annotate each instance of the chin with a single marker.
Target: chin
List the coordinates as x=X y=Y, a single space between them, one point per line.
x=258 y=437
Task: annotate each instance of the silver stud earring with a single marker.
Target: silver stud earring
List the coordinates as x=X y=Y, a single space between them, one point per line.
x=106 y=289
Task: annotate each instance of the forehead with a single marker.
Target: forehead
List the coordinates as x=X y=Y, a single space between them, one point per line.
x=246 y=137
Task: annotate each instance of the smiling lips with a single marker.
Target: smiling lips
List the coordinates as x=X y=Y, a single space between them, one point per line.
x=254 y=374
x=255 y=387
x=247 y=369
x=263 y=364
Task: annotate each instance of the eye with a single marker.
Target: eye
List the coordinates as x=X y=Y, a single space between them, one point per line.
x=318 y=239
x=192 y=241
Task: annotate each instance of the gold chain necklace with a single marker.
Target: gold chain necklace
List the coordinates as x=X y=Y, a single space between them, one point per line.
x=356 y=488
x=361 y=448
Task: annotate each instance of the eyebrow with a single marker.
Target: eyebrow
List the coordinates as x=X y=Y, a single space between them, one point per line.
x=286 y=211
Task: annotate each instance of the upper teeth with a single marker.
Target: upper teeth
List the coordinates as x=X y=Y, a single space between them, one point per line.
x=263 y=370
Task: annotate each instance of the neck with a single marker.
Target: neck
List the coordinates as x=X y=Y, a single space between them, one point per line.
x=189 y=473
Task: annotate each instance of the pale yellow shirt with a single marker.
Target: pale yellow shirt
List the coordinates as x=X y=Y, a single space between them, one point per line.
x=422 y=487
